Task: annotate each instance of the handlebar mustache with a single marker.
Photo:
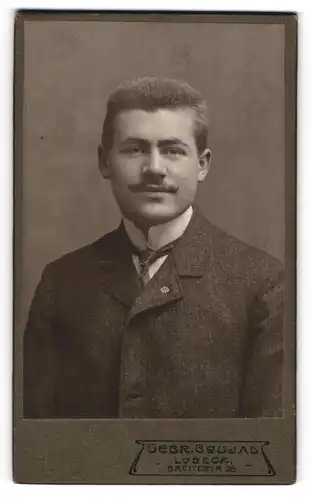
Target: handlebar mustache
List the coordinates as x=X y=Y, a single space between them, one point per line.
x=153 y=188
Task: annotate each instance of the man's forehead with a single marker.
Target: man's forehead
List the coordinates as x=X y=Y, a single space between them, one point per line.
x=155 y=124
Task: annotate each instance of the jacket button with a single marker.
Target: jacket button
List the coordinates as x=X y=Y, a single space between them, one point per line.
x=164 y=289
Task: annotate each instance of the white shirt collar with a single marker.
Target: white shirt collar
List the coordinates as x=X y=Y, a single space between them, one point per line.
x=158 y=235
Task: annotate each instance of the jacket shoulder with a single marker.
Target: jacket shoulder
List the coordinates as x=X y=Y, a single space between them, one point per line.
x=239 y=258
x=86 y=255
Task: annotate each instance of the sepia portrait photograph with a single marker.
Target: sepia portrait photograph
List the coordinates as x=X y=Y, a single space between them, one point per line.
x=154 y=245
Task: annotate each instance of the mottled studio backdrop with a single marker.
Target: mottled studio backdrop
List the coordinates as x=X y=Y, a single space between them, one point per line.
x=70 y=69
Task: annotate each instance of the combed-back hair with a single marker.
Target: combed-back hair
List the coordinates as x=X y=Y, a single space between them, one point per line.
x=152 y=93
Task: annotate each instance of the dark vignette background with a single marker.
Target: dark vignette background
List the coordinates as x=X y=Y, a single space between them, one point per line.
x=71 y=68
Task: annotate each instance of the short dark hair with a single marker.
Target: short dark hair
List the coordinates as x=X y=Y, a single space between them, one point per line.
x=152 y=93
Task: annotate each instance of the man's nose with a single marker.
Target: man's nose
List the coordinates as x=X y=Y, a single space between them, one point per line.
x=155 y=164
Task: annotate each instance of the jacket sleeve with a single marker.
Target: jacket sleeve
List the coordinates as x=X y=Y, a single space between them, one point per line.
x=263 y=388
x=39 y=361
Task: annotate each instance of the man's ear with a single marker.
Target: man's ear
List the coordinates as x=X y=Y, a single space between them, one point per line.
x=204 y=164
x=103 y=162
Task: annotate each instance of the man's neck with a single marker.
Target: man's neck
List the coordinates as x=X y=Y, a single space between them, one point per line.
x=159 y=235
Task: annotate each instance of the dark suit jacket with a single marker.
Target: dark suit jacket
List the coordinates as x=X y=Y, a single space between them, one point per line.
x=203 y=339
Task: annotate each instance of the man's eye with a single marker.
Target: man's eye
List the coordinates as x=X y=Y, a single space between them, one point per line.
x=132 y=150
x=174 y=152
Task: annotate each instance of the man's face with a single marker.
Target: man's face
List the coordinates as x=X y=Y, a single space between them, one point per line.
x=153 y=165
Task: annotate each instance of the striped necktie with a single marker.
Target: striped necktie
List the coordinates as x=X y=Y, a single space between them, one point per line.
x=148 y=256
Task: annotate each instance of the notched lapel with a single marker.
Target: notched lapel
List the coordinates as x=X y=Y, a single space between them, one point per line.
x=193 y=252
x=121 y=282
x=190 y=258
x=118 y=273
x=162 y=289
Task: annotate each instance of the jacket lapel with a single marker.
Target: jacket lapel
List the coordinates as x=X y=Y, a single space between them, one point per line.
x=188 y=259
x=193 y=252
x=117 y=271
x=162 y=289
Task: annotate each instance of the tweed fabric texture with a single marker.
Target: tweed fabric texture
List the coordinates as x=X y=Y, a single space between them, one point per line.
x=202 y=339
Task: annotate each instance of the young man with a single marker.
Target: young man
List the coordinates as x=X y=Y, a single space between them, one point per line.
x=167 y=316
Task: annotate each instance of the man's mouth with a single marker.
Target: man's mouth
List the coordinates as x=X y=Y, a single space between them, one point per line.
x=153 y=188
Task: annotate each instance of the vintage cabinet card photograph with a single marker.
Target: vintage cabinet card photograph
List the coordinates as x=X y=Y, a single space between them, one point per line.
x=154 y=238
